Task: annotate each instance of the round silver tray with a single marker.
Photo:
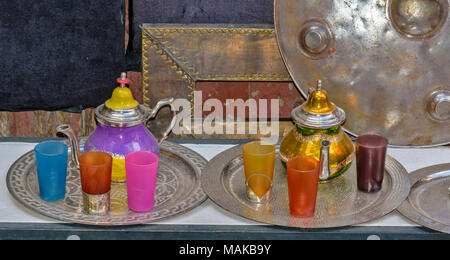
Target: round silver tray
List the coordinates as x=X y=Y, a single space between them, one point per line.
x=339 y=203
x=429 y=201
x=178 y=190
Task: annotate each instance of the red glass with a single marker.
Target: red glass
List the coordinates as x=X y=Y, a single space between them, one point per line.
x=303 y=183
x=95 y=170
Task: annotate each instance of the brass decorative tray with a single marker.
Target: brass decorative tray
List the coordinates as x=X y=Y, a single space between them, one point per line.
x=429 y=201
x=339 y=203
x=178 y=190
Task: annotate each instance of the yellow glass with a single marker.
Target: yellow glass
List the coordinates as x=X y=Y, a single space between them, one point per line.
x=118 y=169
x=259 y=164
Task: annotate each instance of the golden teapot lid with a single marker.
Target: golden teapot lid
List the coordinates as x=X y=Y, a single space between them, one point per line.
x=122 y=98
x=318 y=111
x=122 y=110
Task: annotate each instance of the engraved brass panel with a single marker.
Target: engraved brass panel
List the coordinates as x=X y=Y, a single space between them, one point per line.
x=176 y=56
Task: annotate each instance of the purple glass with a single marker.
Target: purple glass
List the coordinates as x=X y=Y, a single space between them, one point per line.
x=371 y=158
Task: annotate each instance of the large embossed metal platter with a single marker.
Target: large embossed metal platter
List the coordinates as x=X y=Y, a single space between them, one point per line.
x=178 y=190
x=339 y=203
x=385 y=62
x=429 y=201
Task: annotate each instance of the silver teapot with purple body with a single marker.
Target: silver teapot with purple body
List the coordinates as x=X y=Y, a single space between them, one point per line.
x=121 y=129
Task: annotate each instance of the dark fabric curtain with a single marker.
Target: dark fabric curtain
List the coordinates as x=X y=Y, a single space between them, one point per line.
x=192 y=11
x=59 y=54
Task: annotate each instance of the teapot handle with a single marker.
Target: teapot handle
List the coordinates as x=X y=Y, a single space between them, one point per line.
x=159 y=105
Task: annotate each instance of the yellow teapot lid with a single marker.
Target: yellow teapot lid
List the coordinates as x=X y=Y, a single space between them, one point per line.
x=318 y=111
x=122 y=98
x=122 y=110
x=318 y=101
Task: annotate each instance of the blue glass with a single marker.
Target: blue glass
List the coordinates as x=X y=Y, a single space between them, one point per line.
x=51 y=162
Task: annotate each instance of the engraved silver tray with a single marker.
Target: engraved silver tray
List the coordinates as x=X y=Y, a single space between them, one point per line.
x=178 y=190
x=429 y=201
x=339 y=203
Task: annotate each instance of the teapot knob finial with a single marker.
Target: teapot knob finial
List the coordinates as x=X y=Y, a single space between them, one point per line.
x=319 y=85
x=123 y=80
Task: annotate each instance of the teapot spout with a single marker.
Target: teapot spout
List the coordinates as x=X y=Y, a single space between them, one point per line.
x=73 y=142
x=324 y=165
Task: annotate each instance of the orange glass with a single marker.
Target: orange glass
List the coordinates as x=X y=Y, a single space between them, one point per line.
x=303 y=182
x=95 y=170
x=259 y=163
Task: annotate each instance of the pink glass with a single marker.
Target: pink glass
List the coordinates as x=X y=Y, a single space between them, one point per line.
x=142 y=170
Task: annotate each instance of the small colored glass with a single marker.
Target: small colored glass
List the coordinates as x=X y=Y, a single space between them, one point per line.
x=371 y=158
x=142 y=170
x=51 y=163
x=95 y=171
x=259 y=163
x=303 y=182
